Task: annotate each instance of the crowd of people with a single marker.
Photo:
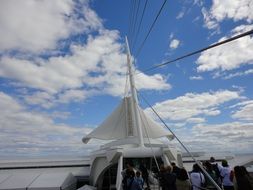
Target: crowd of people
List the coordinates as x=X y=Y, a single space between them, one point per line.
x=174 y=178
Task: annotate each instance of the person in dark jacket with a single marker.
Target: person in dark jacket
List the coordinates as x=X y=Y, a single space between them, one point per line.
x=170 y=179
x=144 y=172
x=132 y=182
x=161 y=177
x=175 y=169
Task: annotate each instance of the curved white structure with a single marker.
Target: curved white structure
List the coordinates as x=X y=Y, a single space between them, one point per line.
x=134 y=137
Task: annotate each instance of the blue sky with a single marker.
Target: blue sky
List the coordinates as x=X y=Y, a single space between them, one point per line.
x=63 y=65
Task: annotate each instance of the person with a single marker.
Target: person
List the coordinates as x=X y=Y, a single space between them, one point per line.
x=175 y=169
x=241 y=181
x=196 y=178
x=132 y=183
x=139 y=179
x=161 y=177
x=183 y=182
x=145 y=174
x=227 y=176
x=211 y=172
x=126 y=174
x=217 y=168
x=170 y=179
x=247 y=175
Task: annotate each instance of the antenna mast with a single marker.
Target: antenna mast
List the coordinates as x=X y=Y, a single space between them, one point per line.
x=137 y=123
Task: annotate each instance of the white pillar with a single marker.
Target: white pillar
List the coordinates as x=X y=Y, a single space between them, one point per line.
x=119 y=176
x=135 y=110
x=165 y=159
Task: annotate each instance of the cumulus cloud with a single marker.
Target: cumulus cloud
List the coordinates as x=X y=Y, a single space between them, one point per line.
x=221 y=136
x=23 y=130
x=154 y=82
x=224 y=57
x=245 y=111
x=226 y=9
x=174 y=43
x=36 y=26
x=193 y=105
x=224 y=136
x=97 y=66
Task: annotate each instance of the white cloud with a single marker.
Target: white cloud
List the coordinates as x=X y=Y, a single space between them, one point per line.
x=226 y=9
x=236 y=10
x=154 y=82
x=245 y=111
x=224 y=136
x=174 y=43
x=238 y=74
x=195 y=120
x=180 y=14
x=171 y=36
x=208 y=19
x=193 y=105
x=98 y=66
x=66 y=72
x=224 y=57
x=26 y=131
x=196 y=78
x=36 y=26
x=44 y=99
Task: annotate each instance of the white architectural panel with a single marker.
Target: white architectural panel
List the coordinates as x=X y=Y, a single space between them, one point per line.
x=116 y=126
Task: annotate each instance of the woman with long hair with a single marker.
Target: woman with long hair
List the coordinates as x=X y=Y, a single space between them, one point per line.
x=241 y=181
x=183 y=181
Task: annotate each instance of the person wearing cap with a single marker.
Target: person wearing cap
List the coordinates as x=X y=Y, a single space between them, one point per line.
x=217 y=169
x=227 y=176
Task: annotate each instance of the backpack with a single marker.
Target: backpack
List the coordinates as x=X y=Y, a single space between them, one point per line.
x=216 y=170
x=124 y=182
x=203 y=184
x=231 y=175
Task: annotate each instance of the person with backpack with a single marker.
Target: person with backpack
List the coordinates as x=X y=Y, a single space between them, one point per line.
x=217 y=168
x=197 y=178
x=212 y=174
x=145 y=174
x=126 y=174
x=139 y=179
x=132 y=183
x=227 y=176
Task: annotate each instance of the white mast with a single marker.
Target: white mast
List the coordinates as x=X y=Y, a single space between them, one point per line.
x=134 y=97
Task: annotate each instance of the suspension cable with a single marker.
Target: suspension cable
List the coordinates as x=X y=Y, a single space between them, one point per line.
x=201 y=50
x=139 y=27
x=197 y=162
x=152 y=26
x=134 y=24
x=131 y=15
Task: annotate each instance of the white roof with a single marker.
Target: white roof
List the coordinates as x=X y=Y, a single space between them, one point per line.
x=37 y=181
x=18 y=181
x=119 y=125
x=53 y=181
x=3 y=177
